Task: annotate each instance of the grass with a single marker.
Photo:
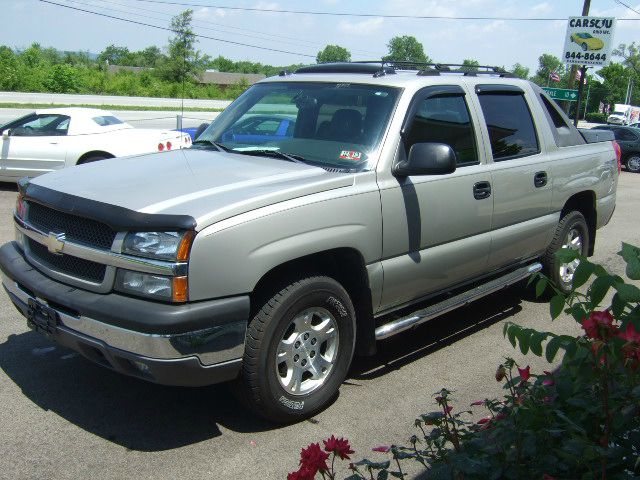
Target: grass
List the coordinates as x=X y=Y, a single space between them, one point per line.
x=37 y=106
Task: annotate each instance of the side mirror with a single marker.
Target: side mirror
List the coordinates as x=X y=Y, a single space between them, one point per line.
x=427 y=159
x=6 y=133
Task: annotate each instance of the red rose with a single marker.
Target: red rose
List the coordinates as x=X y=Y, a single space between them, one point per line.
x=525 y=373
x=448 y=409
x=314 y=459
x=630 y=334
x=381 y=448
x=303 y=474
x=339 y=446
x=599 y=325
x=501 y=416
x=484 y=420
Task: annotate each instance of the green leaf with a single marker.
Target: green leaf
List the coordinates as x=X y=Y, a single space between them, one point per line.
x=628 y=293
x=354 y=476
x=556 y=304
x=578 y=312
x=583 y=272
x=568 y=421
x=617 y=305
x=552 y=348
x=535 y=343
x=511 y=333
x=541 y=286
x=566 y=255
x=383 y=475
x=523 y=340
x=396 y=474
x=633 y=268
x=599 y=289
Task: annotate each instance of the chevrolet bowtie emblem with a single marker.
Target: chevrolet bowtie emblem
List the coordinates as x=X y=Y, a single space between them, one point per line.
x=55 y=243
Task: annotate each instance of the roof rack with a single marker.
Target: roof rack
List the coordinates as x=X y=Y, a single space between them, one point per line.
x=379 y=68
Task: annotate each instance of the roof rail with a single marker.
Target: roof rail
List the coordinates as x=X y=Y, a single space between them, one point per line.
x=384 y=67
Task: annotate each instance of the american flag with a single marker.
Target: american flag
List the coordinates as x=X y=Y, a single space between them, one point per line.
x=554 y=76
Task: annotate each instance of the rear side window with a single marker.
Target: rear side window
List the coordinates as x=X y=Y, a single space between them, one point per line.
x=444 y=119
x=624 y=135
x=510 y=125
x=107 y=120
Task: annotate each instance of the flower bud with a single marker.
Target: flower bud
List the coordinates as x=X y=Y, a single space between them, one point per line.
x=501 y=373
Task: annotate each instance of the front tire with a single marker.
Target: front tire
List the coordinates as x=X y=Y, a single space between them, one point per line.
x=633 y=163
x=572 y=232
x=298 y=350
x=585 y=47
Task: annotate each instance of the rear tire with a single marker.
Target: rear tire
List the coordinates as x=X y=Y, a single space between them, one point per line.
x=633 y=163
x=571 y=232
x=298 y=350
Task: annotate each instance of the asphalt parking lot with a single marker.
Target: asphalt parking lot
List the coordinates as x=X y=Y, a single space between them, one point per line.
x=63 y=417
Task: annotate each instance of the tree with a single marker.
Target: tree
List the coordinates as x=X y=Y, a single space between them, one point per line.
x=520 y=71
x=113 y=55
x=630 y=54
x=406 y=49
x=547 y=64
x=150 y=56
x=470 y=65
x=333 y=53
x=184 y=62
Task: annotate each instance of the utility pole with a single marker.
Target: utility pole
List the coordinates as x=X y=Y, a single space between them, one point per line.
x=583 y=70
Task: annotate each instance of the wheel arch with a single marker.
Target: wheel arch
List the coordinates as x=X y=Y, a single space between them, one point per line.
x=346 y=266
x=585 y=203
x=92 y=153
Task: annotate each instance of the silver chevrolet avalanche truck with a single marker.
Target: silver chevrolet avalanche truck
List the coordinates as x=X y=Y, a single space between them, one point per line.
x=322 y=211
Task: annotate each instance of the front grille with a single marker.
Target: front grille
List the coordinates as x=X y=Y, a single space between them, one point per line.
x=67 y=264
x=76 y=229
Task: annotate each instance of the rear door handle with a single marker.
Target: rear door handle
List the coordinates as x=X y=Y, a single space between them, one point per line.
x=481 y=190
x=540 y=179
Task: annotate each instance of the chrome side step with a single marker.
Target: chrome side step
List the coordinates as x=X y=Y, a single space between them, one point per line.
x=464 y=298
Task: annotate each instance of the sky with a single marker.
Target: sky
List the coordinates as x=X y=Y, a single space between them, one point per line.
x=491 y=42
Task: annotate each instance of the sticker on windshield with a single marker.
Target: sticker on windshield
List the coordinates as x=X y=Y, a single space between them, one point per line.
x=350 y=155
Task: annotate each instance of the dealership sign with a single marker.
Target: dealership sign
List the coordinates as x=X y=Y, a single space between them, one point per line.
x=589 y=41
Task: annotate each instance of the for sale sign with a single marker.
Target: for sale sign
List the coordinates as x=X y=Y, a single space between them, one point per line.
x=589 y=40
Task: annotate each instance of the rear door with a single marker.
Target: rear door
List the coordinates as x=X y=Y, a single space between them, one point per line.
x=520 y=175
x=35 y=144
x=436 y=228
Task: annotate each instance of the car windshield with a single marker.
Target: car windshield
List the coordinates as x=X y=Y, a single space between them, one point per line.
x=618 y=113
x=332 y=125
x=584 y=35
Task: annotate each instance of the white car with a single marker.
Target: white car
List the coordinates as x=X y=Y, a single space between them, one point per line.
x=55 y=138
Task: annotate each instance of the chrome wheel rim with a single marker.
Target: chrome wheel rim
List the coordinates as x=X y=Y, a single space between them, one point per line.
x=633 y=164
x=573 y=241
x=307 y=351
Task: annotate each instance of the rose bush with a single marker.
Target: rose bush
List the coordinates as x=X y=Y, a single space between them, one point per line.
x=581 y=420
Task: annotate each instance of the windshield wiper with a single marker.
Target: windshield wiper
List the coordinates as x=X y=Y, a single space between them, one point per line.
x=219 y=146
x=291 y=157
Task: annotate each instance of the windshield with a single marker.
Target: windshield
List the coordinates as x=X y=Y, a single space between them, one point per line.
x=332 y=125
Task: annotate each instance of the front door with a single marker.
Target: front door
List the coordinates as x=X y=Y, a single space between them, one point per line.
x=33 y=145
x=436 y=228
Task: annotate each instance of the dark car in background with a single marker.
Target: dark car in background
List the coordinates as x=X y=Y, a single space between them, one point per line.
x=629 y=140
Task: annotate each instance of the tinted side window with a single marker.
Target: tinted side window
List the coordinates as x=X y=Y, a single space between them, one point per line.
x=444 y=120
x=620 y=134
x=42 y=125
x=510 y=125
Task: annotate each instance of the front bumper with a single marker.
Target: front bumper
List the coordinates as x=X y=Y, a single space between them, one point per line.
x=192 y=344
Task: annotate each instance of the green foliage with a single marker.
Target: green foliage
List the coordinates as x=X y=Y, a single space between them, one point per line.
x=183 y=62
x=596 y=117
x=406 y=48
x=333 y=53
x=62 y=79
x=580 y=420
x=469 y=65
x=547 y=64
x=520 y=71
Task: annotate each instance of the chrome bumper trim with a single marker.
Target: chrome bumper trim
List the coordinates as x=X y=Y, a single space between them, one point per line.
x=211 y=345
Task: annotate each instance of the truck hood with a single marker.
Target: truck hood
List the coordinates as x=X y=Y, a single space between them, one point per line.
x=208 y=186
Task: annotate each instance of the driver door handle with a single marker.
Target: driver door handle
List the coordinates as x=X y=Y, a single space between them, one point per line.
x=481 y=190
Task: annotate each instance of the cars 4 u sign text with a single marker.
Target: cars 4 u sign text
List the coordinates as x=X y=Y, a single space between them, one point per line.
x=589 y=40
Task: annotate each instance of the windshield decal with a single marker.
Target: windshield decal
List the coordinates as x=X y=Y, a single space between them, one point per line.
x=350 y=155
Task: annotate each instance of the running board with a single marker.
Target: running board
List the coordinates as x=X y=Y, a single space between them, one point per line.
x=464 y=298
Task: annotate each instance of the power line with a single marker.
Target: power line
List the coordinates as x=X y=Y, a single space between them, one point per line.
x=265 y=35
x=170 y=30
x=625 y=5
x=347 y=14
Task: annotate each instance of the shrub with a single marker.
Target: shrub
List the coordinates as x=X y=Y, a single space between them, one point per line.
x=62 y=78
x=596 y=117
x=579 y=421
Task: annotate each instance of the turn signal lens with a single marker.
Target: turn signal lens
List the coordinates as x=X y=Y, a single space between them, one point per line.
x=21 y=207
x=180 y=289
x=185 y=246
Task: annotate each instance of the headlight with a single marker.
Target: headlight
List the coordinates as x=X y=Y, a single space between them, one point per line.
x=172 y=289
x=159 y=245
